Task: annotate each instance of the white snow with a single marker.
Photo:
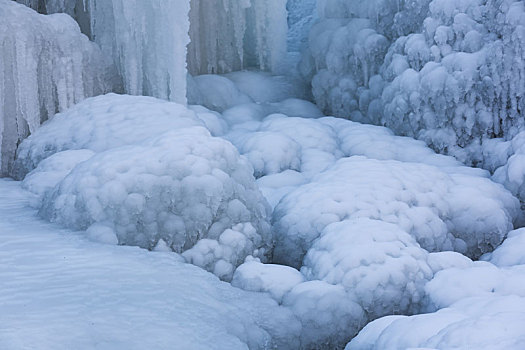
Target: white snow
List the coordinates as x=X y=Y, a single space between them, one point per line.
x=61 y=291
x=140 y=171
x=375 y=232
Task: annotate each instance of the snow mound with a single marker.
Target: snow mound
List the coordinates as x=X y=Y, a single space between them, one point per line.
x=378 y=264
x=102 y=123
x=465 y=213
x=54 y=169
x=277 y=280
x=328 y=316
x=46 y=66
x=479 y=323
x=480 y=305
x=511 y=251
x=180 y=188
x=145 y=172
x=119 y=297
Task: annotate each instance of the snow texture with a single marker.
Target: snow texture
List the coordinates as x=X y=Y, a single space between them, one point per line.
x=480 y=305
x=156 y=179
x=46 y=66
x=61 y=291
x=454 y=215
x=447 y=72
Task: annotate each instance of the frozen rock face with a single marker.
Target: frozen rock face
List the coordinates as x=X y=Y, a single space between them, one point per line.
x=230 y=35
x=46 y=65
x=449 y=73
x=151 y=176
x=147 y=41
x=301 y=16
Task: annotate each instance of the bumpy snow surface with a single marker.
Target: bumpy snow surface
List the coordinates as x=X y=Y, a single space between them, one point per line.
x=60 y=291
x=332 y=233
x=147 y=172
x=361 y=217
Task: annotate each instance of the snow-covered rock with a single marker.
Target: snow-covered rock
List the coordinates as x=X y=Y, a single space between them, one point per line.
x=442 y=211
x=147 y=172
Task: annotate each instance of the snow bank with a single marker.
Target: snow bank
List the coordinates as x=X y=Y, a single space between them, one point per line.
x=157 y=179
x=46 y=65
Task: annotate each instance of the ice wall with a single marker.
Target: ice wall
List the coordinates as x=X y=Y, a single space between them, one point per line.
x=230 y=35
x=46 y=65
x=151 y=48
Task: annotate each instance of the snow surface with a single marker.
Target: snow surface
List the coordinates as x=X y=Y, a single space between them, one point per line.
x=480 y=305
x=46 y=66
x=357 y=209
x=367 y=224
x=61 y=291
x=146 y=172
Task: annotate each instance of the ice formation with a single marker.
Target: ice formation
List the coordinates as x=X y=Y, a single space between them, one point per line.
x=152 y=175
x=481 y=304
x=450 y=73
x=230 y=35
x=155 y=43
x=46 y=66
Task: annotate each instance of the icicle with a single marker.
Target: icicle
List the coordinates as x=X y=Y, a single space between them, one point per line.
x=46 y=65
